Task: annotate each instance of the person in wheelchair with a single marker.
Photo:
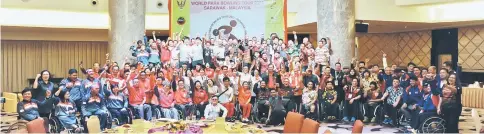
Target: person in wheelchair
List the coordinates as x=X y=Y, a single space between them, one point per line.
x=117 y=103
x=137 y=99
x=200 y=99
x=373 y=97
x=424 y=109
x=276 y=109
x=353 y=94
x=411 y=97
x=262 y=104
x=28 y=108
x=393 y=95
x=95 y=105
x=65 y=111
x=183 y=100
x=244 y=100
x=329 y=100
x=214 y=109
x=309 y=97
x=167 y=101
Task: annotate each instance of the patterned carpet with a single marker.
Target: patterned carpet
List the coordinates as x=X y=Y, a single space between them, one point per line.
x=471 y=121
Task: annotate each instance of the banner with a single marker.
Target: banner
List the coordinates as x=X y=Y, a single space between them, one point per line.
x=228 y=19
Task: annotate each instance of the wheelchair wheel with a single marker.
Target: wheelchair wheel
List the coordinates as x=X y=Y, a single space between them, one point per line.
x=130 y=116
x=18 y=127
x=157 y=113
x=54 y=125
x=433 y=125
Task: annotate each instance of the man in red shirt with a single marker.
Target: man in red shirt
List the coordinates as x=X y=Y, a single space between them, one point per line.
x=137 y=99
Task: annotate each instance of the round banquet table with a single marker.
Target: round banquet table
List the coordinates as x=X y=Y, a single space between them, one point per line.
x=218 y=126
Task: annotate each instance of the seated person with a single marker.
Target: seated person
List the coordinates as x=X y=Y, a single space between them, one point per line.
x=373 y=99
x=426 y=109
x=244 y=101
x=411 y=97
x=28 y=108
x=200 y=99
x=225 y=97
x=65 y=111
x=95 y=105
x=117 y=103
x=262 y=93
x=214 y=109
x=276 y=109
x=183 y=101
x=137 y=99
x=167 y=101
x=309 y=97
x=393 y=95
x=329 y=101
x=351 y=105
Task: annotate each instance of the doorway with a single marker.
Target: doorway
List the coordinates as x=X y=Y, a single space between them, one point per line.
x=444 y=47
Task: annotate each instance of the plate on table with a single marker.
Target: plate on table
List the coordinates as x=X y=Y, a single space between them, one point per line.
x=206 y=120
x=166 y=120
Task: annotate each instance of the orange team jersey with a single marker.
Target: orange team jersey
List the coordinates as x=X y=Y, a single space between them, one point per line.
x=244 y=96
x=146 y=86
x=210 y=73
x=136 y=95
x=271 y=83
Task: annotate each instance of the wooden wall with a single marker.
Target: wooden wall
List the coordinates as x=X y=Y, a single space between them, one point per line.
x=22 y=60
x=471 y=48
x=401 y=48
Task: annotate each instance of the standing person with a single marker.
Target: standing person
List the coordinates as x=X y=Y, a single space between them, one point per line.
x=450 y=104
x=271 y=77
x=143 y=55
x=165 y=53
x=183 y=100
x=95 y=105
x=276 y=109
x=214 y=109
x=212 y=89
x=322 y=53
x=154 y=54
x=42 y=84
x=394 y=94
x=226 y=97
x=200 y=99
x=244 y=101
x=73 y=85
x=137 y=99
x=167 y=101
x=197 y=52
x=89 y=83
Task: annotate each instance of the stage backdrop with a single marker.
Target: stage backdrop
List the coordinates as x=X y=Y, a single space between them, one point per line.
x=228 y=18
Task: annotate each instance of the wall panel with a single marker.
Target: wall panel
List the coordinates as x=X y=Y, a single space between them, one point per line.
x=400 y=48
x=471 y=48
x=22 y=60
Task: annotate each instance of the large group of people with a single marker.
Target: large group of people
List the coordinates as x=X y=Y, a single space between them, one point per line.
x=253 y=79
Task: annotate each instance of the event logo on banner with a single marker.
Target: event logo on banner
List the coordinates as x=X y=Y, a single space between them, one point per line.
x=228 y=19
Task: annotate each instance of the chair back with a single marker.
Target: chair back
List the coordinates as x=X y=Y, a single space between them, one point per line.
x=357 y=127
x=293 y=123
x=36 y=126
x=309 y=126
x=93 y=125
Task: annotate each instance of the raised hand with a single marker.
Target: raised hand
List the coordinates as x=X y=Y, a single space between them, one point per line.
x=38 y=76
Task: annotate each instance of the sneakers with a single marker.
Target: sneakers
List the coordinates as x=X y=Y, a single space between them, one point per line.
x=353 y=119
x=345 y=119
x=366 y=119
x=386 y=121
x=373 y=120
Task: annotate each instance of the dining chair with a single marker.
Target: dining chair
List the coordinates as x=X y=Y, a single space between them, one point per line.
x=309 y=126
x=36 y=126
x=293 y=123
x=357 y=127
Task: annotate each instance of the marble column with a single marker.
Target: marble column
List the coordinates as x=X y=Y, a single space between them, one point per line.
x=127 y=19
x=336 y=20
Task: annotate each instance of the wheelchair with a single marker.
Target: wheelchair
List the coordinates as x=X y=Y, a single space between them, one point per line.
x=133 y=112
x=433 y=124
x=17 y=126
x=55 y=126
x=254 y=112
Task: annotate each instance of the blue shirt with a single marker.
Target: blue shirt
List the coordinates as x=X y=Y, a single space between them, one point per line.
x=42 y=87
x=116 y=101
x=412 y=95
x=427 y=104
x=65 y=109
x=88 y=84
x=75 y=91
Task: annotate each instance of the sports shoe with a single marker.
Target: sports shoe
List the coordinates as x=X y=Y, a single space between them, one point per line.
x=373 y=120
x=345 y=119
x=366 y=119
x=386 y=121
x=353 y=119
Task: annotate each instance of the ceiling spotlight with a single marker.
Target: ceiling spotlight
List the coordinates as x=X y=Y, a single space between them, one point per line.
x=159 y=5
x=94 y=2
